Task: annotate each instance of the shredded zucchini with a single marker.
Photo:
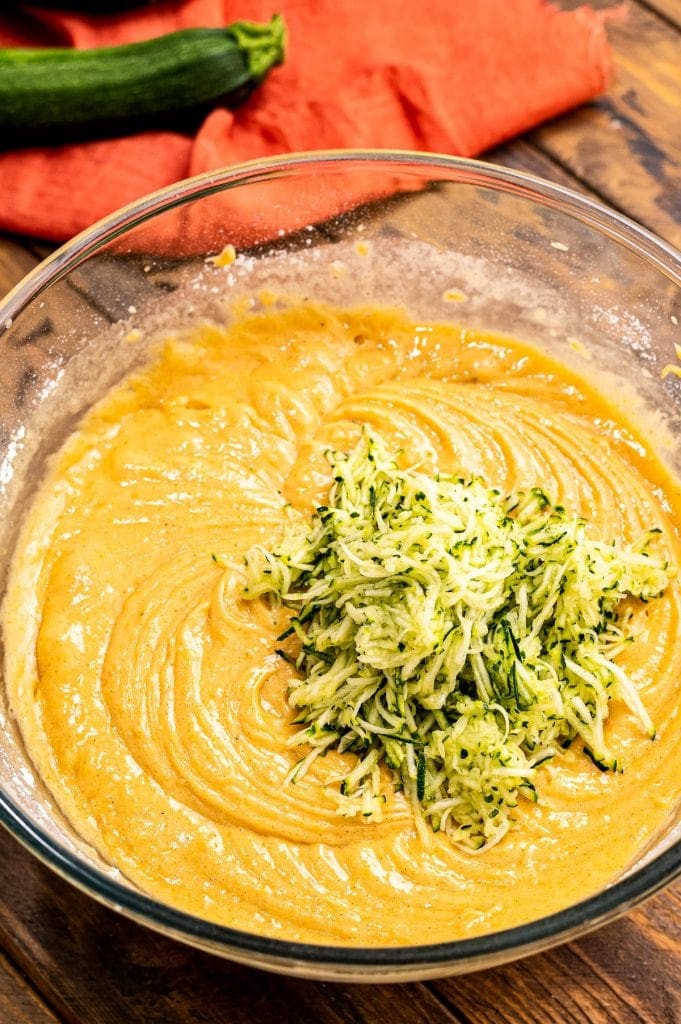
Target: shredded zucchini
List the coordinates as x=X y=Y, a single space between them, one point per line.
x=460 y=636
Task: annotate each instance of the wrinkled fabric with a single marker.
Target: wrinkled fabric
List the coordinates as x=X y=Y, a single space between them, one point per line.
x=445 y=77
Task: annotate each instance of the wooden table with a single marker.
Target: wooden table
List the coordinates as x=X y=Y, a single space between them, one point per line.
x=65 y=958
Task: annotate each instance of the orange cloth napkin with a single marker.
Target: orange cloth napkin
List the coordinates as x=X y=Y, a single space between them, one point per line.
x=452 y=76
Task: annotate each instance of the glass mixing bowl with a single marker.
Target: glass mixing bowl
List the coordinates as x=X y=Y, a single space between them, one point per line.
x=452 y=240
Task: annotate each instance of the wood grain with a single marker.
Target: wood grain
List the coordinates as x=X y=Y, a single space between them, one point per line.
x=524 y=156
x=627 y=145
x=625 y=973
x=16 y=260
x=19 y=1002
x=668 y=9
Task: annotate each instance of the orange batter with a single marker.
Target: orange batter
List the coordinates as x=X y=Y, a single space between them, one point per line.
x=149 y=694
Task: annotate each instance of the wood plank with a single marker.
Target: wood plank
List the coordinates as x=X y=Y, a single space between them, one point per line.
x=96 y=967
x=626 y=145
x=16 y=260
x=669 y=9
x=521 y=155
x=19 y=1002
x=628 y=972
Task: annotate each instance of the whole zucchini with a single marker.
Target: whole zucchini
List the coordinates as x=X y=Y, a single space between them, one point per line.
x=168 y=81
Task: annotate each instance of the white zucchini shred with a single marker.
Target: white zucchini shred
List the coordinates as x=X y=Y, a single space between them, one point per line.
x=459 y=636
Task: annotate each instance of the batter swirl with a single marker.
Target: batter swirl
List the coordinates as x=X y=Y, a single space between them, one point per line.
x=149 y=694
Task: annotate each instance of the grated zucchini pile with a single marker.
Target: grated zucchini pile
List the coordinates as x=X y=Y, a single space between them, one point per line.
x=458 y=635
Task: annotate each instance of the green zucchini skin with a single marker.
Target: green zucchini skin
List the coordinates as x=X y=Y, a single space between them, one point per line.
x=160 y=82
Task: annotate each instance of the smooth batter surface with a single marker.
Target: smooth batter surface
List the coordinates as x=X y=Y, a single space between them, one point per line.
x=150 y=696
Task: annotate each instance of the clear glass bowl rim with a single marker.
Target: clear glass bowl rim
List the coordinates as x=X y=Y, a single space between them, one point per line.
x=499 y=946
